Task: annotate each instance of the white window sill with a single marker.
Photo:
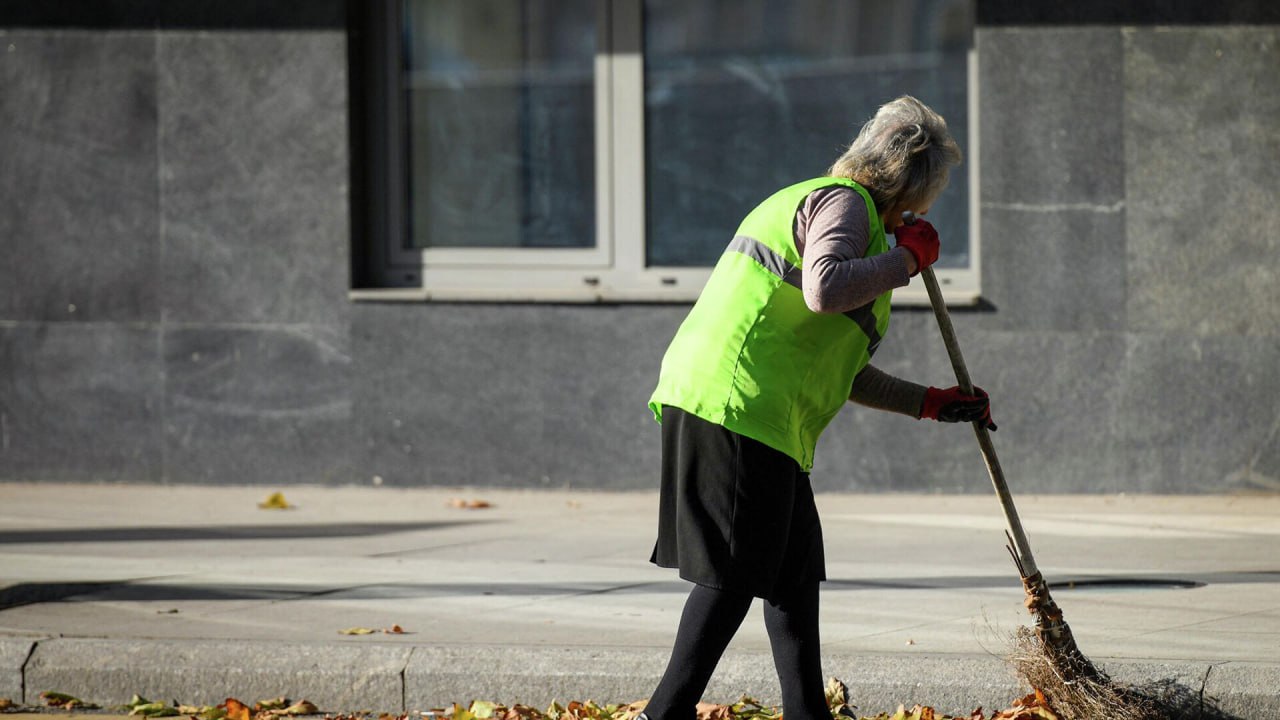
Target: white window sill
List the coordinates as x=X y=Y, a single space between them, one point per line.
x=957 y=287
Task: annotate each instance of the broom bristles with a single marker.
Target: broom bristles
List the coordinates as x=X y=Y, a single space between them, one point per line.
x=1075 y=696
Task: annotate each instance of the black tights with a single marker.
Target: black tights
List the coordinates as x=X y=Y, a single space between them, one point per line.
x=710 y=619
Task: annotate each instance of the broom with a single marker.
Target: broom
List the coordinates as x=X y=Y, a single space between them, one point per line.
x=1047 y=657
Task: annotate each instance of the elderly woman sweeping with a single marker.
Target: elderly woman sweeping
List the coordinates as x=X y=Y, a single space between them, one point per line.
x=780 y=338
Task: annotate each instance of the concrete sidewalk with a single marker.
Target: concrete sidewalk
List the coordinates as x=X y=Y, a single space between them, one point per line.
x=196 y=594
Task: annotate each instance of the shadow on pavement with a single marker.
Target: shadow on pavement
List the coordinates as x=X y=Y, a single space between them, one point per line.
x=222 y=532
x=1173 y=701
x=1130 y=582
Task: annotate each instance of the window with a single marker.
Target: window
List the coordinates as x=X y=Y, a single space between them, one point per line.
x=605 y=150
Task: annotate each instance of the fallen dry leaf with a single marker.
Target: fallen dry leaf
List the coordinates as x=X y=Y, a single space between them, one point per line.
x=302 y=707
x=357 y=631
x=237 y=710
x=1032 y=707
x=393 y=630
x=6 y=703
x=279 y=703
x=465 y=504
x=65 y=702
x=275 y=501
x=711 y=711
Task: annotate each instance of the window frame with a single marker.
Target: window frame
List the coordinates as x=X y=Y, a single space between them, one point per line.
x=614 y=271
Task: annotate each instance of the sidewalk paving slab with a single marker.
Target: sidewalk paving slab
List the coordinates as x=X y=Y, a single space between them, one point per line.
x=194 y=594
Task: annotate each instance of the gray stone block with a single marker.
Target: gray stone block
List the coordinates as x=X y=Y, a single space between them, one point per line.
x=1202 y=132
x=81 y=402
x=254 y=175
x=509 y=395
x=867 y=450
x=267 y=404
x=1055 y=397
x=1053 y=270
x=78 y=207
x=1247 y=690
x=13 y=656
x=1200 y=414
x=1191 y=689
x=1051 y=101
x=439 y=676
x=954 y=685
x=337 y=678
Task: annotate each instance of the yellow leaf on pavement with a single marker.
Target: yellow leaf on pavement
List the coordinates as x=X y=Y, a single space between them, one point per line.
x=357 y=631
x=279 y=703
x=275 y=501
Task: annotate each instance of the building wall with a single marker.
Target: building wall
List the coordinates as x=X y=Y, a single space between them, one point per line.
x=175 y=238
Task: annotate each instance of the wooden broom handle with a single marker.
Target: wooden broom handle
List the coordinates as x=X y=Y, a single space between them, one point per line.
x=1027 y=563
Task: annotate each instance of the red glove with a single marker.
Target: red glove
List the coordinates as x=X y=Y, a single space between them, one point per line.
x=952 y=405
x=921 y=240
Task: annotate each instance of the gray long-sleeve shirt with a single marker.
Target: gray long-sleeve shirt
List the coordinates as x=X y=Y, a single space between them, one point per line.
x=832 y=231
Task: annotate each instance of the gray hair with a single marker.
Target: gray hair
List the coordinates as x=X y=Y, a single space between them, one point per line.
x=902 y=156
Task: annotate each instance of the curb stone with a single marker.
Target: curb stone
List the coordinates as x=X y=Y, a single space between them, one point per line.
x=437 y=677
x=403 y=678
x=13 y=658
x=109 y=672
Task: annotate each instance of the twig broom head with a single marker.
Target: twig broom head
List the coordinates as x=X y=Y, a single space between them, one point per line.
x=1074 y=695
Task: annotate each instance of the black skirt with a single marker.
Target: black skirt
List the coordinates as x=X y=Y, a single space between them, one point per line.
x=734 y=513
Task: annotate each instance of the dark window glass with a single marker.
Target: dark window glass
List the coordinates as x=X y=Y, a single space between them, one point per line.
x=501 y=117
x=743 y=97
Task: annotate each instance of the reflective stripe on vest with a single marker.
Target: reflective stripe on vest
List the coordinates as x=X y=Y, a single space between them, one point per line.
x=790 y=274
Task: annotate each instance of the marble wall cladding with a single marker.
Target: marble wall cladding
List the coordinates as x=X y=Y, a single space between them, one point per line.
x=254 y=176
x=532 y=396
x=1062 y=271
x=187 y=193
x=1056 y=398
x=1051 y=102
x=78 y=191
x=1201 y=414
x=866 y=450
x=258 y=404
x=1202 y=136
x=80 y=402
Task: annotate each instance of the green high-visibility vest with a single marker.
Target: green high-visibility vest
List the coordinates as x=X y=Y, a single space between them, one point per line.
x=751 y=356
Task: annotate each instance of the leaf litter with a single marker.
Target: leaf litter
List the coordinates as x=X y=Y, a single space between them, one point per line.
x=1032 y=707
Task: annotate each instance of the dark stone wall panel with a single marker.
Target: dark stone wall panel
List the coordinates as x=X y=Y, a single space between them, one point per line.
x=78 y=208
x=1201 y=414
x=267 y=404
x=80 y=402
x=175 y=14
x=1055 y=397
x=1110 y=12
x=254 y=177
x=1053 y=270
x=866 y=450
x=1202 y=137
x=1051 y=103
x=518 y=395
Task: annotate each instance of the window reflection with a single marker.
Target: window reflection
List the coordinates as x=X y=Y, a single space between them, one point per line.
x=500 y=98
x=743 y=97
